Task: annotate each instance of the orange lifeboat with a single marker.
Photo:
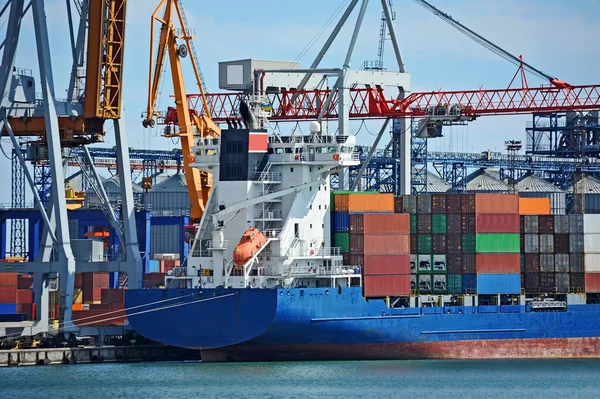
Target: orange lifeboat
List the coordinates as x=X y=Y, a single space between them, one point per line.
x=251 y=241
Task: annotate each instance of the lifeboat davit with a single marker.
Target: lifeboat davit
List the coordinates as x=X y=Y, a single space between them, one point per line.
x=251 y=241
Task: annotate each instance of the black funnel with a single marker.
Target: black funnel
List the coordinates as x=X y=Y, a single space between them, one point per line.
x=248 y=117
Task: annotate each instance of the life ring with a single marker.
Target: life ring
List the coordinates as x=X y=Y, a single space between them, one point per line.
x=296 y=157
x=336 y=157
x=192 y=158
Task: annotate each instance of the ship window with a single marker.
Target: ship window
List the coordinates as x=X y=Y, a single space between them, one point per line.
x=310 y=169
x=311 y=228
x=310 y=207
x=322 y=226
x=319 y=207
x=291 y=169
x=310 y=188
x=325 y=206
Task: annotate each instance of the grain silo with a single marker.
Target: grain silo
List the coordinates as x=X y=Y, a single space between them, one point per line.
x=112 y=187
x=436 y=184
x=589 y=187
x=486 y=181
x=531 y=186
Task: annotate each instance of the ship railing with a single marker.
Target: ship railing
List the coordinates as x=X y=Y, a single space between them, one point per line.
x=321 y=270
x=316 y=252
x=210 y=245
x=272 y=233
x=274 y=214
x=267 y=176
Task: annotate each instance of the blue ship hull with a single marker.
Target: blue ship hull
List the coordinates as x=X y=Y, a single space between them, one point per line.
x=295 y=324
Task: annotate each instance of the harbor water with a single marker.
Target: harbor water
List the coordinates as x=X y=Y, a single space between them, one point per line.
x=383 y=379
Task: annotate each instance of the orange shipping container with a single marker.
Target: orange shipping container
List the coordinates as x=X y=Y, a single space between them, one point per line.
x=592 y=282
x=380 y=244
x=8 y=279
x=358 y=202
x=379 y=223
x=496 y=203
x=498 y=263
x=534 y=206
x=380 y=286
x=76 y=307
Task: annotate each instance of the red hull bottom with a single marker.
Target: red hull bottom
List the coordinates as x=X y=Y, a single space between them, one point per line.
x=542 y=348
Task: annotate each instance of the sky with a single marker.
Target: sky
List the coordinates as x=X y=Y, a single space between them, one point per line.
x=553 y=35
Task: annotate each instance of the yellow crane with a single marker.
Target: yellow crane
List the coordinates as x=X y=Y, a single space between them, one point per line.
x=177 y=42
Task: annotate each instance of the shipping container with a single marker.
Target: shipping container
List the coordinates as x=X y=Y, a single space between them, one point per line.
x=424 y=265
x=424 y=244
x=353 y=260
x=91 y=295
x=153 y=266
x=414 y=247
x=398 y=208
x=438 y=224
x=454 y=263
x=561 y=263
x=440 y=284
x=424 y=223
x=380 y=244
x=469 y=223
x=409 y=204
x=469 y=244
x=438 y=203
x=497 y=203
x=531 y=224
x=592 y=282
x=531 y=243
x=424 y=284
x=424 y=203
x=341 y=222
x=8 y=294
x=532 y=282
x=342 y=240
x=24 y=296
x=575 y=224
x=113 y=295
x=497 y=263
x=547 y=282
x=591 y=224
x=546 y=224
x=534 y=206
x=592 y=263
x=413 y=263
x=96 y=279
x=454 y=243
x=547 y=263
x=453 y=204
x=454 y=223
x=467 y=204
x=382 y=286
x=78 y=280
x=547 y=243
x=26 y=309
x=498 y=242
x=532 y=263
x=576 y=262
x=364 y=202
x=561 y=224
x=379 y=223
x=455 y=284
x=576 y=242
x=469 y=264
x=25 y=281
x=591 y=243
x=386 y=264
x=154 y=280
x=469 y=283
x=562 y=282
x=557 y=200
x=497 y=223
x=413 y=224
x=439 y=243
x=99 y=317
x=77 y=295
x=561 y=243
x=498 y=283
x=8 y=279
x=577 y=282
x=8 y=308
x=439 y=263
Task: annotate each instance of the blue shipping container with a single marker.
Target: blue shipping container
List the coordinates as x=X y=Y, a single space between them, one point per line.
x=498 y=283
x=12 y=318
x=8 y=308
x=469 y=283
x=153 y=266
x=342 y=222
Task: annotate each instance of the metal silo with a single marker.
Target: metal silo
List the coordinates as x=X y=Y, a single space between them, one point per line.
x=436 y=184
x=486 y=181
x=590 y=188
x=532 y=186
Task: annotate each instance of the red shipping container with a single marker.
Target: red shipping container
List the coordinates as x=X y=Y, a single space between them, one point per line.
x=592 y=282
x=467 y=203
x=8 y=294
x=468 y=263
x=380 y=286
x=96 y=280
x=379 y=223
x=497 y=203
x=546 y=224
x=532 y=263
x=99 y=318
x=386 y=264
x=78 y=280
x=93 y=294
x=25 y=281
x=24 y=297
x=414 y=244
x=453 y=203
x=27 y=309
x=380 y=244
x=498 y=263
x=438 y=203
x=100 y=306
x=498 y=223
x=153 y=280
x=8 y=279
x=468 y=223
x=398 y=207
x=113 y=295
x=353 y=260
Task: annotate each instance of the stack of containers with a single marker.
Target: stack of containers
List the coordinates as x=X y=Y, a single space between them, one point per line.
x=576 y=253
x=591 y=248
x=380 y=243
x=16 y=296
x=497 y=244
x=93 y=283
x=467 y=243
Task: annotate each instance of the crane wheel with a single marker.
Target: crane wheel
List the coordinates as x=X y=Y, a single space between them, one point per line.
x=182 y=51
x=152 y=122
x=145 y=123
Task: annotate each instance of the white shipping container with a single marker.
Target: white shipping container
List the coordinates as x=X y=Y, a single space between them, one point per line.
x=439 y=263
x=591 y=243
x=591 y=224
x=547 y=243
x=592 y=263
x=532 y=243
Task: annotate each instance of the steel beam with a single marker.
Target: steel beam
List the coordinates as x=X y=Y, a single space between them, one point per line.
x=13 y=29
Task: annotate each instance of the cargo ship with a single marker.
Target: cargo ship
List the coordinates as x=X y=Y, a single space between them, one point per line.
x=281 y=268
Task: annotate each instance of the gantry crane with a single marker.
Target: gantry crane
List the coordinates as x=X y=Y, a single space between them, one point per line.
x=189 y=123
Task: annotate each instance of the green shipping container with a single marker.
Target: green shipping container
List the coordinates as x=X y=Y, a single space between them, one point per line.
x=455 y=284
x=438 y=222
x=342 y=240
x=468 y=244
x=498 y=243
x=424 y=243
x=413 y=224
